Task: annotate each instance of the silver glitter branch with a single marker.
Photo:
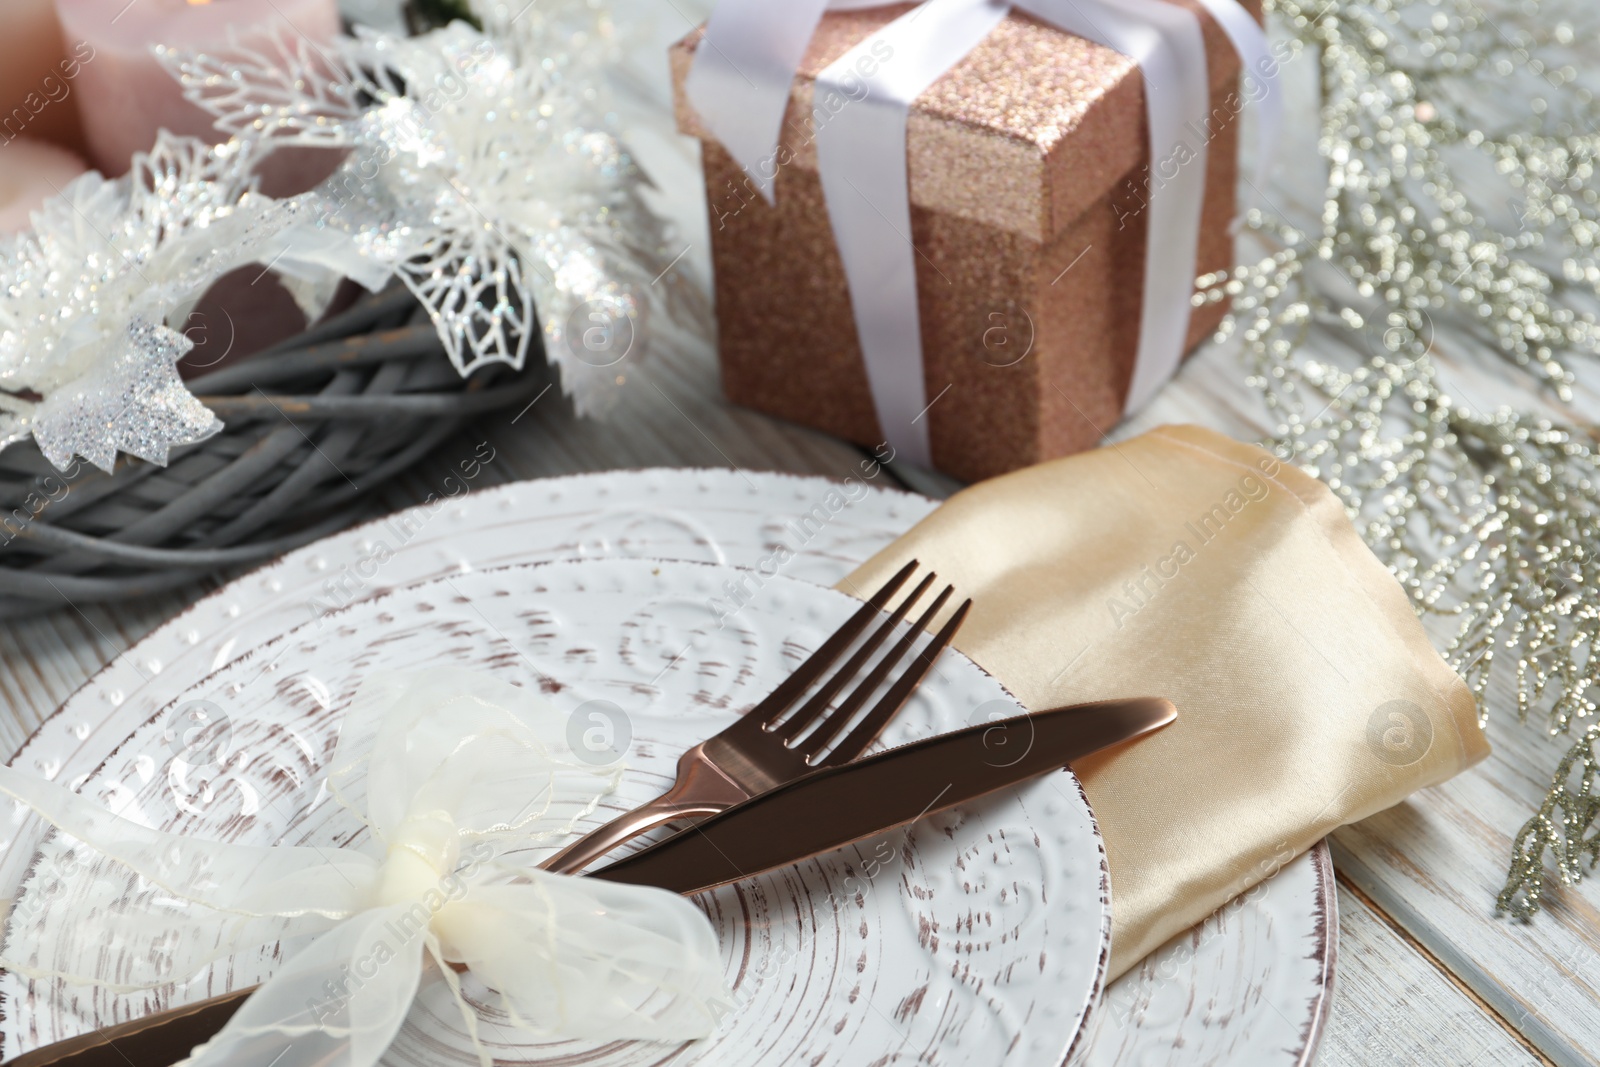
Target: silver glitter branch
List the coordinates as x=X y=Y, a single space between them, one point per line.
x=1488 y=517
x=1564 y=827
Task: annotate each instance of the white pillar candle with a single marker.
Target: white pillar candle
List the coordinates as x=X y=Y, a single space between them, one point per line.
x=126 y=95
x=37 y=75
x=30 y=173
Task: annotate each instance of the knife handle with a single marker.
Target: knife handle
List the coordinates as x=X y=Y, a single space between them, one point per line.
x=165 y=1037
x=160 y=1039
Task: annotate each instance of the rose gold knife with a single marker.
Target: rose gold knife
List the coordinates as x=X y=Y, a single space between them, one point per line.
x=816 y=813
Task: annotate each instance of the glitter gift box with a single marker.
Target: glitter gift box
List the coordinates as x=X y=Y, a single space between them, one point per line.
x=1029 y=173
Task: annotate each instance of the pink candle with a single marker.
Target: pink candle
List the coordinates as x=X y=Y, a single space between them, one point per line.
x=126 y=95
x=38 y=74
x=30 y=173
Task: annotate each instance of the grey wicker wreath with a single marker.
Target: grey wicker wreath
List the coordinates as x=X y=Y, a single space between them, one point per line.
x=312 y=426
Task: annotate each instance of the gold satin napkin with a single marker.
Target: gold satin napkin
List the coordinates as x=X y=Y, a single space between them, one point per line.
x=1187 y=565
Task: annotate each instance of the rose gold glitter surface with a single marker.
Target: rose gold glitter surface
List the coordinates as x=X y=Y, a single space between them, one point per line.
x=1028 y=165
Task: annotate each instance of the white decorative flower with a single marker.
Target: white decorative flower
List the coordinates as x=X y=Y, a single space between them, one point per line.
x=479 y=173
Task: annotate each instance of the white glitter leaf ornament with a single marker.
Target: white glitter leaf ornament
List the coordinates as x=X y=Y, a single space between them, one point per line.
x=134 y=402
x=87 y=364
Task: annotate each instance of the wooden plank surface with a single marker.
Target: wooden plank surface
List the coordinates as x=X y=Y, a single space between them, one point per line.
x=1427 y=974
x=1395 y=1007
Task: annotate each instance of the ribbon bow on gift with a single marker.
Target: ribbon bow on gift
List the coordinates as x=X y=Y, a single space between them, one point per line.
x=455 y=774
x=740 y=84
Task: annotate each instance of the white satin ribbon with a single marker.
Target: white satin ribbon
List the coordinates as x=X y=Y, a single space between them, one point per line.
x=456 y=774
x=1257 y=61
x=740 y=82
x=861 y=159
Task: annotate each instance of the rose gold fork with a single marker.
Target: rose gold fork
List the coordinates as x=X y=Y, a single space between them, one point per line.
x=764 y=749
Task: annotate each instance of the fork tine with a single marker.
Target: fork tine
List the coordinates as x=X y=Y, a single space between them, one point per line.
x=813 y=709
x=858 y=740
x=840 y=717
x=794 y=686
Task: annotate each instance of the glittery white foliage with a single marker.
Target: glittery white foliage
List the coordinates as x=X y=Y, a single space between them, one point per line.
x=480 y=172
x=87 y=364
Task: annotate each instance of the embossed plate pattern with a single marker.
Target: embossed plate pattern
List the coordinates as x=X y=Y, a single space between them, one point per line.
x=978 y=938
x=1248 y=987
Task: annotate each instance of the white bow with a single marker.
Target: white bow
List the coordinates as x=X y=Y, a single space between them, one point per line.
x=740 y=83
x=455 y=774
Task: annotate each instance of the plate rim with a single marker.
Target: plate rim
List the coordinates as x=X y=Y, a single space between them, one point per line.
x=481 y=493
x=1327 y=952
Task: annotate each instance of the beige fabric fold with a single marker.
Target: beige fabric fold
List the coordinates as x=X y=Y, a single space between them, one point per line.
x=1187 y=565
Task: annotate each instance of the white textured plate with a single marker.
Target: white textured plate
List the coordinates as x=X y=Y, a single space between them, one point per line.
x=1250 y=987
x=977 y=938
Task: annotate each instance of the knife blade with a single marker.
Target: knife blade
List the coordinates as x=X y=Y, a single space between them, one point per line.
x=837 y=806
x=816 y=813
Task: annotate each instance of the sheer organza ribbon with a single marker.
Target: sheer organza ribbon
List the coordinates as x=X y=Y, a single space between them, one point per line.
x=739 y=85
x=456 y=775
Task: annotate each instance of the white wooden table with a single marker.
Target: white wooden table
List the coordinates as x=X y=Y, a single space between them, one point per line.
x=1426 y=974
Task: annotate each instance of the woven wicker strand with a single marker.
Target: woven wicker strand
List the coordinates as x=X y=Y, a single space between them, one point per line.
x=311 y=428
